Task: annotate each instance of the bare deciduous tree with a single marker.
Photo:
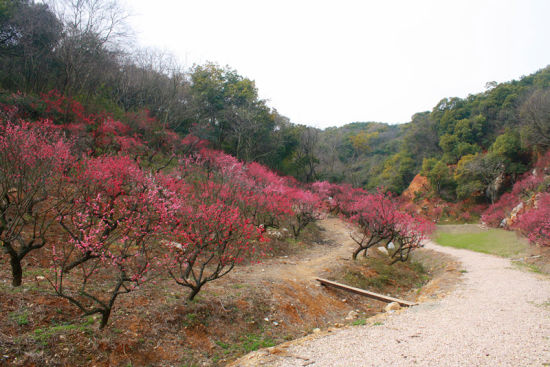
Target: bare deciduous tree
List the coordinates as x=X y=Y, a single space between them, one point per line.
x=535 y=114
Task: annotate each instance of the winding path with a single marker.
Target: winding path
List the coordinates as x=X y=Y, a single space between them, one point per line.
x=498 y=316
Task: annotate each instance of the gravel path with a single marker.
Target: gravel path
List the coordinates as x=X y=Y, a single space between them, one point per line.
x=498 y=316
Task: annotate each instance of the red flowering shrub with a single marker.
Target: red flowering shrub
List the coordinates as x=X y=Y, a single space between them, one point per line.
x=497 y=212
x=535 y=223
x=33 y=161
x=209 y=234
x=530 y=184
x=305 y=208
x=117 y=216
x=381 y=222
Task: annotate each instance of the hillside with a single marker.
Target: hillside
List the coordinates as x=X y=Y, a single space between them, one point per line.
x=498 y=132
x=152 y=214
x=78 y=52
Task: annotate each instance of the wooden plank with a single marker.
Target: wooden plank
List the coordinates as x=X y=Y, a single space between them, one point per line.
x=365 y=293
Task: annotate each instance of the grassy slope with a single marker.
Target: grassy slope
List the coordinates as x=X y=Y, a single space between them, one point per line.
x=490 y=241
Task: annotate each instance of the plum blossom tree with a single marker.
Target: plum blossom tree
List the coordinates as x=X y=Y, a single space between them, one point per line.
x=380 y=221
x=117 y=216
x=34 y=159
x=376 y=216
x=305 y=207
x=535 y=223
x=411 y=232
x=209 y=234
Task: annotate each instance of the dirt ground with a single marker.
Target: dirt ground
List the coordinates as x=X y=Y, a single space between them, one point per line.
x=255 y=306
x=498 y=315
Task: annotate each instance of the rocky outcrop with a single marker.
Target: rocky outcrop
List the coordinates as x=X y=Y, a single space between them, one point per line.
x=419 y=185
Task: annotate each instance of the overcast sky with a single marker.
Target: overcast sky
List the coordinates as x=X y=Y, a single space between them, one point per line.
x=328 y=63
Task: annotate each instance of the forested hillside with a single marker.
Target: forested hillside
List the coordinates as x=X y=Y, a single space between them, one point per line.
x=476 y=146
x=83 y=51
x=462 y=145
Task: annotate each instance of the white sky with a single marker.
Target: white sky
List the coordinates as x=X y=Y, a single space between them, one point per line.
x=328 y=63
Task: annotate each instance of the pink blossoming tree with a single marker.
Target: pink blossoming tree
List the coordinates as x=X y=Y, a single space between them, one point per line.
x=118 y=216
x=34 y=159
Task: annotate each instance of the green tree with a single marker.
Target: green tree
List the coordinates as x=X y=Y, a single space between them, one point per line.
x=480 y=173
x=508 y=146
x=362 y=140
x=399 y=170
x=438 y=173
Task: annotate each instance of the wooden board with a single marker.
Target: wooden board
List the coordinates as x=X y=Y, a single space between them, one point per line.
x=365 y=293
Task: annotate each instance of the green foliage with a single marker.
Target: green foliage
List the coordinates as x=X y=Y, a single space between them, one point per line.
x=399 y=170
x=41 y=51
x=247 y=343
x=44 y=335
x=361 y=142
x=439 y=174
x=20 y=317
x=229 y=114
x=508 y=145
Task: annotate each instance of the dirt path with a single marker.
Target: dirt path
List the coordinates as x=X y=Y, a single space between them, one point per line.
x=498 y=316
x=309 y=264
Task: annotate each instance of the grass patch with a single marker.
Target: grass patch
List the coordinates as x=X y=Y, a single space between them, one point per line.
x=359 y=322
x=489 y=241
x=21 y=318
x=530 y=267
x=43 y=335
x=248 y=343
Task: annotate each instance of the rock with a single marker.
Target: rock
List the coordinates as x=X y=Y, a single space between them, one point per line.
x=352 y=315
x=393 y=306
x=274 y=234
x=391 y=246
x=382 y=250
x=316 y=330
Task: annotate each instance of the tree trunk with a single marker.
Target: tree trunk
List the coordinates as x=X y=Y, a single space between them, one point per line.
x=194 y=292
x=16 y=271
x=356 y=252
x=104 y=318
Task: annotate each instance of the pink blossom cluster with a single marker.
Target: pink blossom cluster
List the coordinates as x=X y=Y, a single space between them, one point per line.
x=528 y=202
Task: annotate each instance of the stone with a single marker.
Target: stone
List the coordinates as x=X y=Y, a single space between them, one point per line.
x=274 y=234
x=382 y=250
x=316 y=330
x=352 y=315
x=393 y=306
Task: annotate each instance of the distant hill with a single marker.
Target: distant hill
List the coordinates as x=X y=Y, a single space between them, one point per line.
x=464 y=145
